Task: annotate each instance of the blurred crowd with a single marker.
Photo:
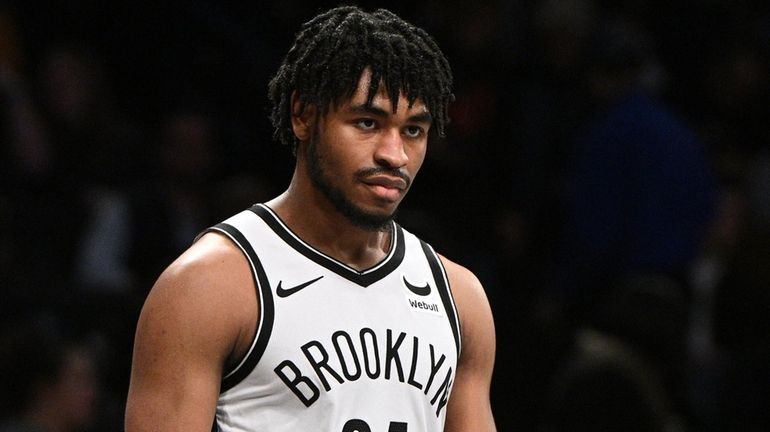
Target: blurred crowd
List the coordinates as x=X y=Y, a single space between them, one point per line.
x=606 y=175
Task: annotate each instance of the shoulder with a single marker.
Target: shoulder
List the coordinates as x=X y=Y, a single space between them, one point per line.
x=197 y=316
x=207 y=294
x=466 y=287
x=211 y=266
x=212 y=251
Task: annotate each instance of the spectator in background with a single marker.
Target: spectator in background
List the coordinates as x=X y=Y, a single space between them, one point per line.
x=49 y=380
x=77 y=150
x=95 y=142
x=129 y=236
x=608 y=386
x=26 y=168
x=183 y=172
x=638 y=205
x=738 y=89
x=26 y=151
x=539 y=118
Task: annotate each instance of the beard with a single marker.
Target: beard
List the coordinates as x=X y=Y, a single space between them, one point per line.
x=352 y=212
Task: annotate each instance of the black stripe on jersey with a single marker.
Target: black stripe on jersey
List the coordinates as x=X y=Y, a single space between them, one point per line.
x=442 y=283
x=265 y=326
x=363 y=278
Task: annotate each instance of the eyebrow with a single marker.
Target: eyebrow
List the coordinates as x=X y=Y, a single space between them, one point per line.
x=379 y=112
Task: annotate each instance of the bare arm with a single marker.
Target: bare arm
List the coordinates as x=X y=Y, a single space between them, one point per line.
x=199 y=316
x=469 y=407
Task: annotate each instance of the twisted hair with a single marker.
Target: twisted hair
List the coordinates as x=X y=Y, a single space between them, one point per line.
x=332 y=50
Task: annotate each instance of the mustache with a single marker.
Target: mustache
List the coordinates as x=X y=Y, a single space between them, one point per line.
x=369 y=172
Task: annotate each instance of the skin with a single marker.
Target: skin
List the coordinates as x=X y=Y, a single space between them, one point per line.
x=188 y=332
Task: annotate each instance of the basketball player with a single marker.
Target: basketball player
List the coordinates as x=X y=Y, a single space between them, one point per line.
x=315 y=311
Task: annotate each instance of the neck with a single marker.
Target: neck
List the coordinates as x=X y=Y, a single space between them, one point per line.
x=314 y=218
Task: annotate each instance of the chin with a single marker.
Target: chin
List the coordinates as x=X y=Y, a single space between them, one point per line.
x=369 y=219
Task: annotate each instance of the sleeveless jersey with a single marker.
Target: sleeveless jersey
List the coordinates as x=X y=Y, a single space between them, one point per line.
x=337 y=349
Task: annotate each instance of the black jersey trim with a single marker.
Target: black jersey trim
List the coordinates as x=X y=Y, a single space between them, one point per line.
x=266 y=315
x=442 y=283
x=363 y=278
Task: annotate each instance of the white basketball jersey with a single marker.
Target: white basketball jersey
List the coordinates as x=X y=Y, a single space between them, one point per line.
x=337 y=349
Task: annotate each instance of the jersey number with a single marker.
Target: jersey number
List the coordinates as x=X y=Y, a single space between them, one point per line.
x=356 y=425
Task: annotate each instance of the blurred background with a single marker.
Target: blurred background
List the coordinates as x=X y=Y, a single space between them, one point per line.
x=606 y=175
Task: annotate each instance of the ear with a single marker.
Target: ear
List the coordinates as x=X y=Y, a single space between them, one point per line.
x=302 y=118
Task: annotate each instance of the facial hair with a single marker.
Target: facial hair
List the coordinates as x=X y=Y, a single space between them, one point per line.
x=353 y=213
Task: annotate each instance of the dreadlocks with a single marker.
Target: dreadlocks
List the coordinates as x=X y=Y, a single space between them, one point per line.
x=331 y=52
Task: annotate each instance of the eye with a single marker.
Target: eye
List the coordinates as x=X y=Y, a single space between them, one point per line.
x=413 y=131
x=366 y=124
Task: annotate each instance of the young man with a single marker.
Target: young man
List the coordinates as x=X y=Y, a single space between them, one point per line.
x=315 y=311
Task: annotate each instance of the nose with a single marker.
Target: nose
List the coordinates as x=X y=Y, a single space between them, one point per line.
x=390 y=151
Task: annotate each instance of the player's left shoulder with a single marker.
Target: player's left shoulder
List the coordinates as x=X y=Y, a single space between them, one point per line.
x=469 y=296
x=462 y=281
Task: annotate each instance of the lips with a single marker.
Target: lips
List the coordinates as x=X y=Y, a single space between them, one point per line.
x=386 y=188
x=386 y=182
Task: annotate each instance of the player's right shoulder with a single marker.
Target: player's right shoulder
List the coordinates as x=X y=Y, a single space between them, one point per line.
x=211 y=265
x=212 y=252
x=209 y=288
x=196 y=319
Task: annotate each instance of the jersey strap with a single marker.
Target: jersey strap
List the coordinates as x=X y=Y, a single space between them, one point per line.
x=266 y=312
x=442 y=282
